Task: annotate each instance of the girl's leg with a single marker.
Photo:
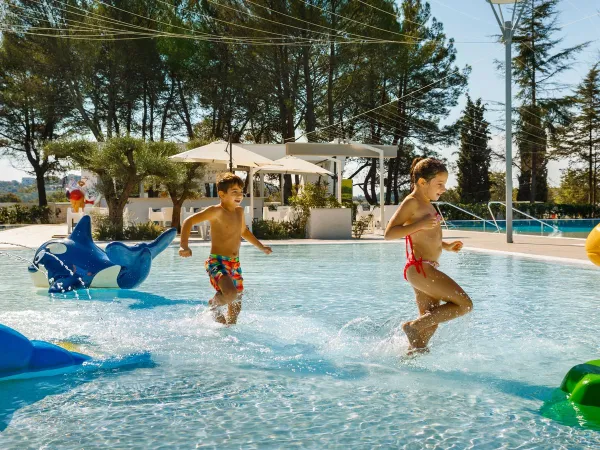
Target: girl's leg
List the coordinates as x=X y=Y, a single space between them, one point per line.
x=425 y=303
x=436 y=285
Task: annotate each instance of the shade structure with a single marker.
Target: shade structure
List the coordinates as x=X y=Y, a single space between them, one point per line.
x=293 y=165
x=347 y=149
x=218 y=153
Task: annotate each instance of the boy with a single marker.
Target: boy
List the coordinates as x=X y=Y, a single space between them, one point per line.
x=227 y=228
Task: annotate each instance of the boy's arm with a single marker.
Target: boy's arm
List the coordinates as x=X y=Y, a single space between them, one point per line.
x=396 y=228
x=249 y=237
x=188 y=223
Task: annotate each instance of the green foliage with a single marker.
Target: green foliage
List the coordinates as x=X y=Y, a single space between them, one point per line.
x=270 y=229
x=9 y=198
x=574 y=187
x=474 y=156
x=539 y=59
x=57 y=196
x=361 y=225
x=104 y=230
x=314 y=195
x=18 y=214
x=120 y=165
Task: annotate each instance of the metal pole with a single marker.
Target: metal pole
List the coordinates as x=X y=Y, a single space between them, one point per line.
x=230 y=154
x=509 y=188
x=251 y=187
x=381 y=193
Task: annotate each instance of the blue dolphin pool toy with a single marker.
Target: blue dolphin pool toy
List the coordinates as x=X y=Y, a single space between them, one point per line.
x=77 y=262
x=22 y=358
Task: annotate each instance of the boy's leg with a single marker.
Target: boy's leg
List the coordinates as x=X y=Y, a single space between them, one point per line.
x=227 y=292
x=233 y=310
x=440 y=286
x=425 y=303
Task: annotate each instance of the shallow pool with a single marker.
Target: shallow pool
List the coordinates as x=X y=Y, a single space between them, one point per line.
x=315 y=359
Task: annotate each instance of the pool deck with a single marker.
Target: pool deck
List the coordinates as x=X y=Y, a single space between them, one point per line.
x=565 y=250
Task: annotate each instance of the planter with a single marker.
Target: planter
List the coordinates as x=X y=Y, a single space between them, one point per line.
x=330 y=223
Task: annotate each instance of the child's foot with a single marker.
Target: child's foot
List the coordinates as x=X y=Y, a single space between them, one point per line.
x=414 y=351
x=414 y=338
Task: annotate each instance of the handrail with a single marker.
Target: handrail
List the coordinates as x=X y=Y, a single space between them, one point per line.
x=520 y=212
x=464 y=211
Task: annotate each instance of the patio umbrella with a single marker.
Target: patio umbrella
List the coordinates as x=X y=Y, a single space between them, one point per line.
x=218 y=153
x=293 y=165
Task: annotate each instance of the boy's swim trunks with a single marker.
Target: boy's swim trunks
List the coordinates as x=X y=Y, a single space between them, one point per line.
x=217 y=266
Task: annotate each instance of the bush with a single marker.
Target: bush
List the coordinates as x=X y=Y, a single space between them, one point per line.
x=103 y=230
x=269 y=229
x=19 y=214
x=360 y=226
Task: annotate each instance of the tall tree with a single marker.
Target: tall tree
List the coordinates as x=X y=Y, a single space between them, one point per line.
x=474 y=156
x=536 y=65
x=580 y=138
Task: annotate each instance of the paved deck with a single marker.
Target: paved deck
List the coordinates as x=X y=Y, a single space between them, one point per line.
x=566 y=250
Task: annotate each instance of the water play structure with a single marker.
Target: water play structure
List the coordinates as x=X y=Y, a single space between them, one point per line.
x=22 y=358
x=592 y=245
x=76 y=262
x=582 y=384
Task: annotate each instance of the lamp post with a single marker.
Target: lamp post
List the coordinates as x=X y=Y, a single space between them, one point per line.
x=508 y=29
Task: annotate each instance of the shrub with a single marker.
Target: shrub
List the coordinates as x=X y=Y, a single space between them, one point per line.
x=360 y=226
x=103 y=230
x=19 y=214
x=269 y=229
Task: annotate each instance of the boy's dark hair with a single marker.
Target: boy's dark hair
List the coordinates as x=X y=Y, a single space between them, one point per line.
x=227 y=180
x=426 y=168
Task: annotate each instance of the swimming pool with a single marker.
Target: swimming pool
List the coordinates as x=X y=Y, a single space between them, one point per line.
x=313 y=362
x=573 y=228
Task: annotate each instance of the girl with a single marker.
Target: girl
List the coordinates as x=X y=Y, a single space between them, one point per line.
x=417 y=221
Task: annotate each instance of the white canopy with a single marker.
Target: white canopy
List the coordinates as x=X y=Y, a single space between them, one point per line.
x=293 y=165
x=218 y=152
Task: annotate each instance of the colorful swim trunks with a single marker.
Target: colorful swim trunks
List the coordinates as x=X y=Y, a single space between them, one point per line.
x=217 y=266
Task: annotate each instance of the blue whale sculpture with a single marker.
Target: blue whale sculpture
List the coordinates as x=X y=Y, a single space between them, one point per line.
x=22 y=358
x=77 y=262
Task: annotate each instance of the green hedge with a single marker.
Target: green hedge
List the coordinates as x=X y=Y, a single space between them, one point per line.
x=269 y=229
x=19 y=214
x=538 y=210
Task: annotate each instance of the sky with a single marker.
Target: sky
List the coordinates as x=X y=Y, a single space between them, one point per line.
x=473 y=21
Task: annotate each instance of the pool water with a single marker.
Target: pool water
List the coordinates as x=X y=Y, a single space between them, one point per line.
x=571 y=228
x=315 y=360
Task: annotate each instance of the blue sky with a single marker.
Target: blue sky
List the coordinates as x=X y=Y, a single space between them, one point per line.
x=473 y=20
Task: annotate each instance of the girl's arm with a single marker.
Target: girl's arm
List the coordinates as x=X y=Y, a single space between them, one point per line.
x=396 y=228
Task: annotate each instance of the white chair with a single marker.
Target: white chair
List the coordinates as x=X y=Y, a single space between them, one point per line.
x=203 y=228
x=168 y=215
x=73 y=219
x=156 y=215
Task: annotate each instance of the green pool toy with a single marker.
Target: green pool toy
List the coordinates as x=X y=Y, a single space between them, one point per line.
x=582 y=384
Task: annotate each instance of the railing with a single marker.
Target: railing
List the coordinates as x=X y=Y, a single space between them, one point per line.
x=521 y=212
x=436 y=204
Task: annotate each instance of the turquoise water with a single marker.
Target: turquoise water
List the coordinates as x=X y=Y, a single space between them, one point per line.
x=315 y=359
x=573 y=228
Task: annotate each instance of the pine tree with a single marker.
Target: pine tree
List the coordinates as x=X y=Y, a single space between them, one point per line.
x=580 y=139
x=535 y=68
x=474 y=156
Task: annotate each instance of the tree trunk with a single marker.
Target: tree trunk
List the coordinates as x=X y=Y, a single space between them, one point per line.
x=166 y=110
x=176 y=218
x=41 y=186
x=145 y=113
x=186 y=112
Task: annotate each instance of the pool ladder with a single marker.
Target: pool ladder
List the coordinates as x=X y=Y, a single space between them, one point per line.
x=445 y=224
x=556 y=229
